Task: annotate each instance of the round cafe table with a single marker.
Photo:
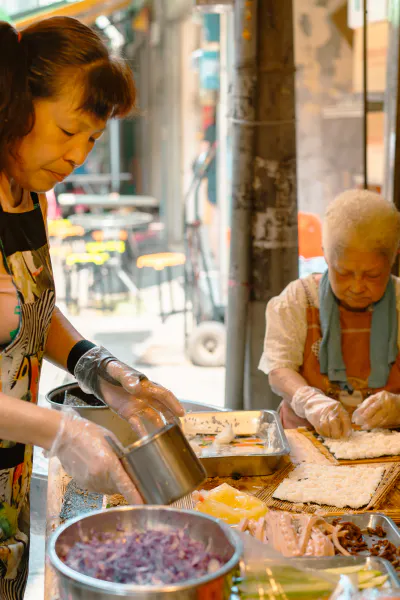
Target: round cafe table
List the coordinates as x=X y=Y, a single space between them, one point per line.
x=111 y=224
x=132 y=221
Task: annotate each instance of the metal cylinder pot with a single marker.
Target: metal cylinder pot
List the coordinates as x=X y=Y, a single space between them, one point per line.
x=163 y=466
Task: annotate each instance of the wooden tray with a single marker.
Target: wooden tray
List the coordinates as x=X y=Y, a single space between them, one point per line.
x=312 y=435
x=388 y=481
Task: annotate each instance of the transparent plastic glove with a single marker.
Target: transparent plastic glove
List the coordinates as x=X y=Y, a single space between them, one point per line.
x=328 y=417
x=125 y=390
x=88 y=458
x=380 y=410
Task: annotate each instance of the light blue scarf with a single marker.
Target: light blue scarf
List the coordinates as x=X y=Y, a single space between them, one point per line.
x=383 y=340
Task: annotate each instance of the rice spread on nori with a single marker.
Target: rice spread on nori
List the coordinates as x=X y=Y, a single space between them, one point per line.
x=154 y=557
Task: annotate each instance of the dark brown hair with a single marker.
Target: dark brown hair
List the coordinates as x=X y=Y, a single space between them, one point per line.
x=49 y=55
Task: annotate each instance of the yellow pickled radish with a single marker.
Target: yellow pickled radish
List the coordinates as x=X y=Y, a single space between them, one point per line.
x=231 y=505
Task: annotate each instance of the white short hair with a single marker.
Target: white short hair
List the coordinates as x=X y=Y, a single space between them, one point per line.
x=363 y=220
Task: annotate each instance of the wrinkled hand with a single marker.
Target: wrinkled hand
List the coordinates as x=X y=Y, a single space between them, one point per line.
x=328 y=417
x=126 y=390
x=380 y=410
x=87 y=457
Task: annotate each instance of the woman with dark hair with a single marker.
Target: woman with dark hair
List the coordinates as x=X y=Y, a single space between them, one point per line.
x=59 y=85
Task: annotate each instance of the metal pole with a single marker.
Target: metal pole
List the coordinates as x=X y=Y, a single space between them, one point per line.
x=222 y=157
x=115 y=155
x=365 y=93
x=243 y=115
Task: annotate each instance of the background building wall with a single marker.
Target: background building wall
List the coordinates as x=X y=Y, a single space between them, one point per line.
x=328 y=151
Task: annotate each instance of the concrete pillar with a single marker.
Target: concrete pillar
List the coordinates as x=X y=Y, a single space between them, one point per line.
x=274 y=255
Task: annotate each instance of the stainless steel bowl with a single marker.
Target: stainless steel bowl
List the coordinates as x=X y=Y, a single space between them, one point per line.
x=221 y=538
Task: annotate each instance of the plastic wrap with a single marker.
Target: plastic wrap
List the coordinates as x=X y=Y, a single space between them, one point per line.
x=146 y=406
x=384 y=594
x=266 y=575
x=93 y=369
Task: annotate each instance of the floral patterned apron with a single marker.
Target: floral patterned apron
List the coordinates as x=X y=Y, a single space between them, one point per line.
x=25 y=253
x=356 y=330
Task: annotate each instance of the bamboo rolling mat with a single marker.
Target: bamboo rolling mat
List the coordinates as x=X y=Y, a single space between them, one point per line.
x=264 y=491
x=186 y=503
x=313 y=437
x=379 y=498
x=303 y=449
x=251 y=485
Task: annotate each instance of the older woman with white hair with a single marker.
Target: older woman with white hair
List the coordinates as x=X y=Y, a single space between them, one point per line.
x=332 y=341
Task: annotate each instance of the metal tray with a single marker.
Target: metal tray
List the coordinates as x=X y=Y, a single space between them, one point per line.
x=243 y=423
x=336 y=562
x=372 y=520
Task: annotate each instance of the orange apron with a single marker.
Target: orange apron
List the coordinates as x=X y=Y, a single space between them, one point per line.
x=356 y=330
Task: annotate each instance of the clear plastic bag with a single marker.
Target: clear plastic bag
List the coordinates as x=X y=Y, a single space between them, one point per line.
x=383 y=594
x=266 y=575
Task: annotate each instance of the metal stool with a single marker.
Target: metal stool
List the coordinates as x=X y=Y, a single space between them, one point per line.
x=158 y=262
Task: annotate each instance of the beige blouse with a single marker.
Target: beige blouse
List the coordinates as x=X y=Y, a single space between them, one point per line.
x=286 y=326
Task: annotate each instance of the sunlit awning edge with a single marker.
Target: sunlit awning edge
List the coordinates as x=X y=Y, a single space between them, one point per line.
x=86 y=11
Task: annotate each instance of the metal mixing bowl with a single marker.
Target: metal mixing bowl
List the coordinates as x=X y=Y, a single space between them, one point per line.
x=222 y=541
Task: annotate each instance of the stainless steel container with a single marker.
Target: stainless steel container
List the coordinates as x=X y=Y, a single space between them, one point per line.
x=163 y=466
x=336 y=562
x=222 y=541
x=103 y=415
x=372 y=521
x=245 y=422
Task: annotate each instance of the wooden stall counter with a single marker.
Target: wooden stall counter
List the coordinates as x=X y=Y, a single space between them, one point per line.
x=301 y=450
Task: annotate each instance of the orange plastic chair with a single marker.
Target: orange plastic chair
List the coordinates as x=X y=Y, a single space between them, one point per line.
x=310 y=235
x=159 y=262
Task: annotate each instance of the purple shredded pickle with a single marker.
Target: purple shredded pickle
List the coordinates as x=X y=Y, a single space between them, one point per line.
x=153 y=557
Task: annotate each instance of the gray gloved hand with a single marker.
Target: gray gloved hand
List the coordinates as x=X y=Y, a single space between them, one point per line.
x=127 y=391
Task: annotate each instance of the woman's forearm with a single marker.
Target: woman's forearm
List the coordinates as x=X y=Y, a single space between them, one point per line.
x=61 y=339
x=27 y=423
x=286 y=382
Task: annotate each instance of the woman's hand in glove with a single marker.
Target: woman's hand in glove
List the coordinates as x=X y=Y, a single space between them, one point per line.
x=125 y=390
x=137 y=385
x=328 y=417
x=87 y=457
x=380 y=410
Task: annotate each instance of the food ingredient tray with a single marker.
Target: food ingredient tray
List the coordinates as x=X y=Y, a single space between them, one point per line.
x=243 y=423
x=372 y=520
x=337 y=562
